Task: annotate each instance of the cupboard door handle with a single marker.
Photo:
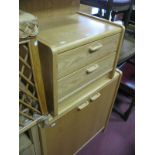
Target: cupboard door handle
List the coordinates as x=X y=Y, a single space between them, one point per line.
x=95 y=97
x=95 y=48
x=92 y=69
x=82 y=106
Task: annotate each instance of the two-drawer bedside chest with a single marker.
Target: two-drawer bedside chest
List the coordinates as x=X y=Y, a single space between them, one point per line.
x=78 y=55
x=76 y=51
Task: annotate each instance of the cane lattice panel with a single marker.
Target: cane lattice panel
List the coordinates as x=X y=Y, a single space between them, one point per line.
x=30 y=106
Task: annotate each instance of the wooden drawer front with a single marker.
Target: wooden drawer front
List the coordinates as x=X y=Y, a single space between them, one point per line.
x=75 y=59
x=76 y=127
x=76 y=81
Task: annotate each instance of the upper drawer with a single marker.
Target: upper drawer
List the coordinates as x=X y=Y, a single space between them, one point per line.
x=76 y=81
x=75 y=59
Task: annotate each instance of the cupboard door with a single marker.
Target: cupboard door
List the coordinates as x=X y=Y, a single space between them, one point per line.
x=73 y=130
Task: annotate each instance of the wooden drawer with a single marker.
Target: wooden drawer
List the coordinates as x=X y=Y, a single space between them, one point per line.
x=75 y=59
x=75 y=128
x=76 y=81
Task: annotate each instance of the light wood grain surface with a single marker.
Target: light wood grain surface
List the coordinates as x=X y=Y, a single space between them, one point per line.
x=45 y=8
x=81 y=96
x=66 y=32
x=63 y=42
x=79 y=79
x=78 y=126
x=77 y=58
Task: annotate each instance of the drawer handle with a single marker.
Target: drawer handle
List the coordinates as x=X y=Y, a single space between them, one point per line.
x=95 y=97
x=92 y=69
x=95 y=48
x=53 y=125
x=82 y=106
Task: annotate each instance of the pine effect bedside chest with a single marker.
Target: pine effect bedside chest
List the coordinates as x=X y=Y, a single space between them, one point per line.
x=78 y=55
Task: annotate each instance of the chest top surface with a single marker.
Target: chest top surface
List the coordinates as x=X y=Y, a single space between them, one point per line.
x=64 y=32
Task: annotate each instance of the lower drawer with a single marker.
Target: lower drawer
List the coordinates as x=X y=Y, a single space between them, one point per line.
x=76 y=81
x=70 y=132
